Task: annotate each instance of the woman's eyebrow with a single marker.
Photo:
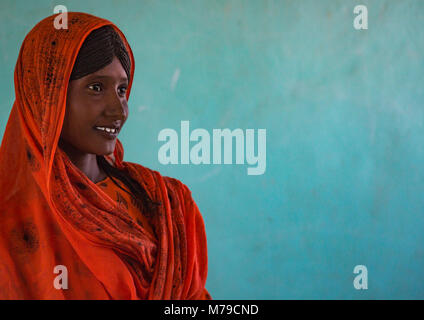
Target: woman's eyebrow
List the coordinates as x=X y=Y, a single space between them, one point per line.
x=106 y=77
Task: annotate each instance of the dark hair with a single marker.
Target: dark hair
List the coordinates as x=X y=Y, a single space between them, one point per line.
x=97 y=51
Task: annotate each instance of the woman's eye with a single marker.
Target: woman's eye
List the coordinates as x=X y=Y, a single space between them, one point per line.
x=95 y=87
x=122 y=90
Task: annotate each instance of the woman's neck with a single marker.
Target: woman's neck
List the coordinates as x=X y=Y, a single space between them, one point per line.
x=86 y=162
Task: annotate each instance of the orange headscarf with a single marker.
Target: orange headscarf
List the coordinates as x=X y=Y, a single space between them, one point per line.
x=52 y=215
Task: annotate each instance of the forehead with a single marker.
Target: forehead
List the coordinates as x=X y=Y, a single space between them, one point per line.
x=112 y=70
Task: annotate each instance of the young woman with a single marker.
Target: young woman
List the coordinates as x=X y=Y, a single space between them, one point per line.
x=76 y=221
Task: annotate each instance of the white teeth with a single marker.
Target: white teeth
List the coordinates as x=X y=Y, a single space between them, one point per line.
x=109 y=130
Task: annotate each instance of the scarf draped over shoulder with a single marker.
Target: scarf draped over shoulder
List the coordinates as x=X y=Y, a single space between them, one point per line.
x=52 y=216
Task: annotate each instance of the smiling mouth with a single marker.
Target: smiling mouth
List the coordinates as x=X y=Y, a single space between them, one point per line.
x=108 y=132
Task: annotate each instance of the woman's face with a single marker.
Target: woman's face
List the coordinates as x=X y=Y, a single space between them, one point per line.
x=96 y=110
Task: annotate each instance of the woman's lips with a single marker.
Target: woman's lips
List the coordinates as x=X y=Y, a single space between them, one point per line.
x=107 y=135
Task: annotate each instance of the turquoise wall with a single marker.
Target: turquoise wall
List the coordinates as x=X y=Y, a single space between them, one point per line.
x=343 y=110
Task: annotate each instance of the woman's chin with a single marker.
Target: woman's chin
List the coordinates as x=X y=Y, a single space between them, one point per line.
x=106 y=150
x=105 y=153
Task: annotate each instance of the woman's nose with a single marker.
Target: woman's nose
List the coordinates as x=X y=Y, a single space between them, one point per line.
x=116 y=106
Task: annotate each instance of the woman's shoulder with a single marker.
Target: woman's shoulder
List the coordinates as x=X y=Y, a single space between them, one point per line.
x=151 y=176
x=178 y=194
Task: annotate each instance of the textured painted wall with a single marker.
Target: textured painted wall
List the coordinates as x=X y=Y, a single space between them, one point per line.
x=343 y=110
